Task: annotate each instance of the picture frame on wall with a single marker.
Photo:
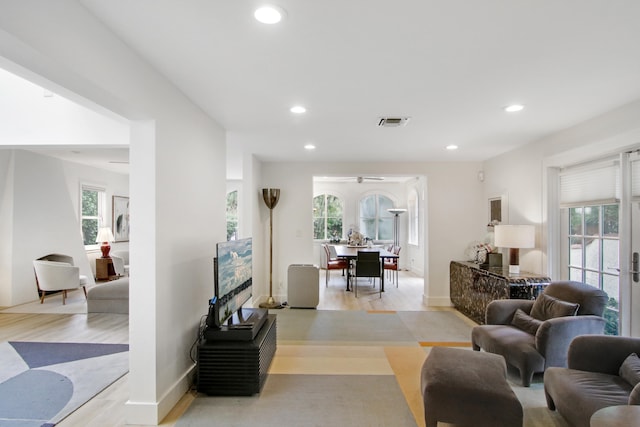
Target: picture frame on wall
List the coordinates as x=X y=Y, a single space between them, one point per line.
x=120 y=208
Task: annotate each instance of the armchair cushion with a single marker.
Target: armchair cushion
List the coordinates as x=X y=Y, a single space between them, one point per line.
x=634 y=397
x=501 y=311
x=524 y=322
x=630 y=369
x=547 y=307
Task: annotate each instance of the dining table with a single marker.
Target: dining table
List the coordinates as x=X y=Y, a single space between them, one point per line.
x=350 y=253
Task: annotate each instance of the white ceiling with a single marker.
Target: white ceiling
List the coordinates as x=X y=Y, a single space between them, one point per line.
x=450 y=65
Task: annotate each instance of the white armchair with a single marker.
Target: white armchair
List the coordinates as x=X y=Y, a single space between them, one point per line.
x=124 y=256
x=119 y=266
x=57 y=276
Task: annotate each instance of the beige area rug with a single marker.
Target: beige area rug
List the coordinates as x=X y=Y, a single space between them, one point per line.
x=353 y=368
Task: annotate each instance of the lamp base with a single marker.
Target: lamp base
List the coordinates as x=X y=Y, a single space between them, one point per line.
x=105 y=248
x=270 y=303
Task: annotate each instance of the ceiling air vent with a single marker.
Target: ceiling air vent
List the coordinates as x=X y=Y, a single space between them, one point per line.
x=390 y=122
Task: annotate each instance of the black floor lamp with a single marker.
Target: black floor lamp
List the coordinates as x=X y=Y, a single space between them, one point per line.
x=270 y=197
x=396 y=224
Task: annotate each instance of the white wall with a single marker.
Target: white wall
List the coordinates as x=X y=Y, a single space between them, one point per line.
x=30 y=118
x=42 y=203
x=6 y=225
x=455 y=216
x=177 y=184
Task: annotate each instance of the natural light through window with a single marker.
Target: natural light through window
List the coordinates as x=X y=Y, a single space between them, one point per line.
x=327 y=217
x=375 y=221
x=92 y=213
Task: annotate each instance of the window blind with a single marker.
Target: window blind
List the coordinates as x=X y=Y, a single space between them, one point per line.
x=635 y=179
x=590 y=184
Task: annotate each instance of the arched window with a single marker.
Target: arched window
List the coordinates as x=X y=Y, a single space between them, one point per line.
x=375 y=221
x=232 y=215
x=414 y=223
x=327 y=217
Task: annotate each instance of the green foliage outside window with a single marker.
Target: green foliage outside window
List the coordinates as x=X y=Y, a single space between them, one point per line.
x=612 y=317
x=232 y=215
x=593 y=250
x=327 y=217
x=90 y=216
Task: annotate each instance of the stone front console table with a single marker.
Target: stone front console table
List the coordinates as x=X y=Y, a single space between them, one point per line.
x=472 y=288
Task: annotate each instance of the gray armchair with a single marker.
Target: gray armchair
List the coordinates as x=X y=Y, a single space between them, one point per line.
x=535 y=341
x=594 y=379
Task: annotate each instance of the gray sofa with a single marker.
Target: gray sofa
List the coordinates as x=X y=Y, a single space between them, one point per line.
x=538 y=335
x=109 y=297
x=592 y=381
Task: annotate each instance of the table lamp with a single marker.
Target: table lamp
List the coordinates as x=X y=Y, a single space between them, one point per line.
x=105 y=236
x=515 y=237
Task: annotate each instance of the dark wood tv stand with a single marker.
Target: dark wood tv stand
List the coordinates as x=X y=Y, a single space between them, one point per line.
x=236 y=368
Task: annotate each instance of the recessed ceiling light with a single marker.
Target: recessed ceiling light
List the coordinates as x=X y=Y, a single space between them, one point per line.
x=452 y=147
x=269 y=14
x=298 y=109
x=513 y=108
x=309 y=147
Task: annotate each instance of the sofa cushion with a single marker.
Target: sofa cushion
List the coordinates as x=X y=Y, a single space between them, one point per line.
x=114 y=289
x=547 y=307
x=630 y=369
x=524 y=322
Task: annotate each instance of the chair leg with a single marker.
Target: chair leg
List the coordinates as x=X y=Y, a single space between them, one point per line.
x=326 y=278
x=42 y=296
x=85 y=292
x=64 y=297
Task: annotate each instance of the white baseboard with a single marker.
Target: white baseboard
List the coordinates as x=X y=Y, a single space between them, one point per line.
x=437 y=301
x=152 y=413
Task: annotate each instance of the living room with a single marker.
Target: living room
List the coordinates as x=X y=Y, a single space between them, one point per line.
x=175 y=145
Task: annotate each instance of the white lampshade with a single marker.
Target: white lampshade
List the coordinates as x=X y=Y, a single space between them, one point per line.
x=396 y=211
x=515 y=236
x=104 y=235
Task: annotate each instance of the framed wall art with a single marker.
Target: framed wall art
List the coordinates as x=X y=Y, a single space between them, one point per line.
x=120 y=218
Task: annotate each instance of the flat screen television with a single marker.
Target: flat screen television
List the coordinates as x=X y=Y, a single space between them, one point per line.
x=233 y=277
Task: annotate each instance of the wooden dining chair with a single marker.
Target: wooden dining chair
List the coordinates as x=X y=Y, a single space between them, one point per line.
x=333 y=262
x=391 y=264
x=368 y=265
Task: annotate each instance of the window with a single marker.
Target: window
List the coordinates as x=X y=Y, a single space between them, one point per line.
x=593 y=254
x=232 y=215
x=412 y=208
x=327 y=217
x=589 y=202
x=375 y=221
x=92 y=213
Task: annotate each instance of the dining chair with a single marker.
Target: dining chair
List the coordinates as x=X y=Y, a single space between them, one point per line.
x=368 y=265
x=391 y=264
x=333 y=262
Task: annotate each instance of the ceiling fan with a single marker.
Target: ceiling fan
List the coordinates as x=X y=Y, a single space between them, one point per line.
x=361 y=179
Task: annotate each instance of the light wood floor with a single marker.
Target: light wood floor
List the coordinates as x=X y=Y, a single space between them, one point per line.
x=108 y=408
